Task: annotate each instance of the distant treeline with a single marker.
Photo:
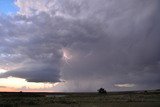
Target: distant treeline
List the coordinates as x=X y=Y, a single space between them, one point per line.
x=21 y=94
x=44 y=94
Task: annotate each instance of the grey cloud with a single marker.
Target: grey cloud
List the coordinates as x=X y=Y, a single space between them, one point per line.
x=127 y=52
x=112 y=42
x=34 y=53
x=36 y=73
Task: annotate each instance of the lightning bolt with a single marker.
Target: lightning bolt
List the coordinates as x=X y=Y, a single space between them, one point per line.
x=66 y=57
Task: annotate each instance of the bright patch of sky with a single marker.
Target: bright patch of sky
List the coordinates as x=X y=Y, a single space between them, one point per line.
x=8 y=7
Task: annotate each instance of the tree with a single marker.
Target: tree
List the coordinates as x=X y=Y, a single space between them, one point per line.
x=102 y=91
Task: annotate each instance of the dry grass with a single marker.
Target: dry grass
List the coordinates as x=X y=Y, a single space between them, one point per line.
x=77 y=99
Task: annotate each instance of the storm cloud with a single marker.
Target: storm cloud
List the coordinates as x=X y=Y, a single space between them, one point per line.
x=86 y=43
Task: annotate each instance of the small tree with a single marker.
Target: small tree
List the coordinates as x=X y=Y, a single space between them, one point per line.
x=102 y=91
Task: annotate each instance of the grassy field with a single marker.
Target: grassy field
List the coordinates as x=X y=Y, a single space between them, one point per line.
x=111 y=99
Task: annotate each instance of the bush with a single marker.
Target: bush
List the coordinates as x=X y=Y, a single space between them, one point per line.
x=102 y=91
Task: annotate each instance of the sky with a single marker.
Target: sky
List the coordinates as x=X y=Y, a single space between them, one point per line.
x=79 y=45
x=8 y=7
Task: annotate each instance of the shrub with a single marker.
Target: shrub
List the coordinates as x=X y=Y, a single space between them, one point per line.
x=102 y=91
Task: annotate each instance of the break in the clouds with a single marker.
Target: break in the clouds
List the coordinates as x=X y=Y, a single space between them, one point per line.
x=86 y=43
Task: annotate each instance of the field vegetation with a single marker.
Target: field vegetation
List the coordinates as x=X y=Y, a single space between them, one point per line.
x=37 y=99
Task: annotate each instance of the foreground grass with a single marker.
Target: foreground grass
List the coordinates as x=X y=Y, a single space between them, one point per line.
x=75 y=98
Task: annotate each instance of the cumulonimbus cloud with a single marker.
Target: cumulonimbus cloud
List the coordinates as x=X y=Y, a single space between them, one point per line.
x=110 y=41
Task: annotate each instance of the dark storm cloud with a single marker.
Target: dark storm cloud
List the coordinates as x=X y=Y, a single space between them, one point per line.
x=110 y=41
x=31 y=51
x=36 y=73
x=126 y=51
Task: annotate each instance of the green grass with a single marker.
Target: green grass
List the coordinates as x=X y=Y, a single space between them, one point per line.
x=78 y=99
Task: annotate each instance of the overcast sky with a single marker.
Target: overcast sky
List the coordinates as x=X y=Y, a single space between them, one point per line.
x=82 y=44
